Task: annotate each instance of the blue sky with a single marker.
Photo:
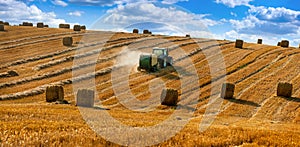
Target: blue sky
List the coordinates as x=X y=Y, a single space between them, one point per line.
x=271 y=20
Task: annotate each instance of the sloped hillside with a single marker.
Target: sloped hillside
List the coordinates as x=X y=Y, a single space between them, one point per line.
x=255 y=116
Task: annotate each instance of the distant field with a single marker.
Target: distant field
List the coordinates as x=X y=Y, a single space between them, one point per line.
x=256 y=116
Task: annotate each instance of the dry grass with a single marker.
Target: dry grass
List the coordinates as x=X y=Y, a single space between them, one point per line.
x=255 y=117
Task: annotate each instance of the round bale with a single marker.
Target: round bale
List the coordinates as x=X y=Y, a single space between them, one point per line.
x=6 y=23
x=188 y=35
x=46 y=26
x=1 y=27
x=284 y=43
x=284 y=89
x=169 y=97
x=227 y=90
x=239 y=43
x=136 y=31
x=76 y=28
x=67 y=41
x=40 y=25
x=146 y=32
x=1 y=22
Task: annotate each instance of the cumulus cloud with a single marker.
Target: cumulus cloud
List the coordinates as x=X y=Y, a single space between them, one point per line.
x=269 y=23
x=272 y=21
x=15 y=12
x=234 y=3
x=275 y=14
x=107 y=2
x=59 y=2
x=120 y=2
x=156 y=18
x=173 y=1
x=76 y=13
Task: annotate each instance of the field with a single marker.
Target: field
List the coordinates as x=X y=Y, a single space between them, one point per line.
x=254 y=117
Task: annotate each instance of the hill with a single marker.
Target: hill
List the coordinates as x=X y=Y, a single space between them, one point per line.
x=255 y=116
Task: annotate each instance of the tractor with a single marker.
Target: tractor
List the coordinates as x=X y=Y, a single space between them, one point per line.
x=153 y=62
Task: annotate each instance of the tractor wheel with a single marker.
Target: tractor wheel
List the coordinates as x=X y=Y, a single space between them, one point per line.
x=155 y=68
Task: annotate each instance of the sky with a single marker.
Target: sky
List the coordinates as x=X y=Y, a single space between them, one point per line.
x=271 y=20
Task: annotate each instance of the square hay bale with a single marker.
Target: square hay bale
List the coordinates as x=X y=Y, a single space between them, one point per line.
x=83 y=27
x=239 y=43
x=1 y=27
x=146 y=32
x=61 y=25
x=188 y=35
x=284 y=89
x=67 y=26
x=54 y=93
x=67 y=41
x=136 y=31
x=85 y=98
x=27 y=24
x=76 y=28
x=64 y=26
x=284 y=43
x=279 y=44
x=46 y=26
x=259 y=41
x=227 y=91
x=40 y=25
x=169 y=97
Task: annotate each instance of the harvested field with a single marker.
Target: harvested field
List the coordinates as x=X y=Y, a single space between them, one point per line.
x=33 y=59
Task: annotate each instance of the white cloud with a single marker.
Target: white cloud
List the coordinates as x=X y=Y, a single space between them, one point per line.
x=271 y=24
x=107 y=2
x=150 y=16
x=16 y=12
x=173 y=1
x=120 y=2
x=275 y=14
x=272 y=21
x=76 y=13
x=59 y=2
x=234 y=3
x=248 y=22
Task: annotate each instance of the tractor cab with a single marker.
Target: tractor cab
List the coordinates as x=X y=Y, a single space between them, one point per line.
x=160 y=51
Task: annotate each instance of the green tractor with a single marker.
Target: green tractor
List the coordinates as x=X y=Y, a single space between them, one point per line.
x=153 y=62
